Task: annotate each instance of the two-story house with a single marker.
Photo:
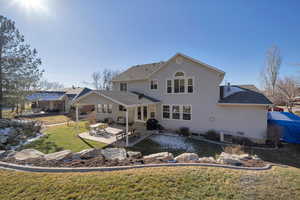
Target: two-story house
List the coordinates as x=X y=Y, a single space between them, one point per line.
x=183 y=92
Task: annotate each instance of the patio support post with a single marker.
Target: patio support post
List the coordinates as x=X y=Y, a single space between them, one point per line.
x=126 y=127
x=77 y=117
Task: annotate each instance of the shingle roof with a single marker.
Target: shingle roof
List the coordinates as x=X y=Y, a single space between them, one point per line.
x=138 y=72
x=127 y=98
x=249 y=95
x=83 y=92
x=71 y=93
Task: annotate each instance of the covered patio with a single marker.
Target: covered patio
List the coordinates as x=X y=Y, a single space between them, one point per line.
x=48 y=101
x=125 y=112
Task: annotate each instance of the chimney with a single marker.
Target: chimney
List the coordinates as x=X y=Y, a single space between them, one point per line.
x=228 y=87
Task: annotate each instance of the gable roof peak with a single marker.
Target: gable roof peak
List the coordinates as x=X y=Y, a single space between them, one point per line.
x=145 y=71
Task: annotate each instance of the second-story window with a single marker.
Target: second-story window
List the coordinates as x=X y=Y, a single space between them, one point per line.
x=190 y=86
x=169 y=86
x=154 y=84
x=123 y=87
x=180 y=84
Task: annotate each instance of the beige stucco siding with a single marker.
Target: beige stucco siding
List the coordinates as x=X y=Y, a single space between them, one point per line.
x=250 y=120
x=94 y=99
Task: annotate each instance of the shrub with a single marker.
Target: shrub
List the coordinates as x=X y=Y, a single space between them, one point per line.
x=160 y=127
x=212 y=135
x=184 y=131
x=274 y=134
x=236 y=149
x=152 y=124
x=242 y=141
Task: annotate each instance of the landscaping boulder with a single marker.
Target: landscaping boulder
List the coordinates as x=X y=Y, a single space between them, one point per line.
x=158 y=157
x=4 y=123
x=16 y=132
x=207 y=160
x=60 y=155
x=10 y=153
x=28 y=154
x=255 y=157
x=187 y=157
x=114 y=153
x=2 y=154
x=3 y=139
x=229 y=159
x=87 y=154
x=134 y=154
x=244 y=157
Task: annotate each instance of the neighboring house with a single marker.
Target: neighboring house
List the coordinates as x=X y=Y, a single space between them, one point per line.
x=55 y=101
x=183 y=92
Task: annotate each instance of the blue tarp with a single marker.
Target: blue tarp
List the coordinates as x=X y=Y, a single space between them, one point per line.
x=289 y=123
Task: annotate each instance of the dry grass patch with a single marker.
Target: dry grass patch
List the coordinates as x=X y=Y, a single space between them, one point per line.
x=55 y=119
x=158 y=183
x=154 y=183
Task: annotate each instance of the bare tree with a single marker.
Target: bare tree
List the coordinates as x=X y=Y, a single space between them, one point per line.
x=271 y=71
x=96 y=76
x=287 y=90
x=108 y=75
x=103 y=80
x=47 y=85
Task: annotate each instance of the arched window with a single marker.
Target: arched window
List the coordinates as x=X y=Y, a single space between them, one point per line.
x=178 y=74
x=180 y=84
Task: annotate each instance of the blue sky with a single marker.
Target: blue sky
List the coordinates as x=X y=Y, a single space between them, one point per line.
x=77 y=37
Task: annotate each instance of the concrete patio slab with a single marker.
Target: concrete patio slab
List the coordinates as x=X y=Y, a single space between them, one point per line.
x=109 y=137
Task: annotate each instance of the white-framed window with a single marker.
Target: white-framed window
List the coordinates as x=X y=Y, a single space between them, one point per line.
x=169 y=86
x=109 y=108
x=123 y=87
x=153 y=84
x=177 y=112
x=104 y=108
x=99 y=108
x=190 y=85
x=166 y=112
x=180 y=84
x=177 y=74
x=186 y=112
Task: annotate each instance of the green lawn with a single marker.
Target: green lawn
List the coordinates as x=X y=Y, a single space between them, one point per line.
x=154 y=183
x=63 y=137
